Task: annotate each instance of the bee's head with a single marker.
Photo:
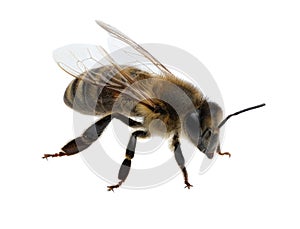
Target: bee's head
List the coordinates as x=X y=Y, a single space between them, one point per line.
x=210 y=116
x=203 y=126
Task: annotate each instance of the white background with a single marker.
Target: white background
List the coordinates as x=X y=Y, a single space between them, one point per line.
x=251 y=48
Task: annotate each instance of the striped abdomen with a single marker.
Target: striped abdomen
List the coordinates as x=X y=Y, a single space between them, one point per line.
x=89 y=99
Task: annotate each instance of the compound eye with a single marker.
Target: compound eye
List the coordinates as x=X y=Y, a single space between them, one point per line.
x=192 y=126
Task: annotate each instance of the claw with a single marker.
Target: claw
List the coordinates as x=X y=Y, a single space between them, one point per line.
x=112 y=187
x=188 y=185
x=225 y=153
x=60 y=154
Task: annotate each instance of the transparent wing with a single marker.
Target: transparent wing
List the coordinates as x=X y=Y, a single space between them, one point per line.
x=126 y=55
x=137 y=51
x=83 y=61
x=94 y=65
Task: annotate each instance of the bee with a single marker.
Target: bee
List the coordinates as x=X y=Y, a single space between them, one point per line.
x=127 y=92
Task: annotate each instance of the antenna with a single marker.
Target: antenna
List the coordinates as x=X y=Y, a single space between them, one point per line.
x=236 y=113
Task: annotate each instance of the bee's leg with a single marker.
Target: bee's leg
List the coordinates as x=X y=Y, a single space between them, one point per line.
x=222 y=154
x=91 y=135
x=125 y=167
x=128 y=121
x=85 y=140
x=180 y=159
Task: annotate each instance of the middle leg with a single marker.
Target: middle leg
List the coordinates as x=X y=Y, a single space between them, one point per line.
x=130 y=150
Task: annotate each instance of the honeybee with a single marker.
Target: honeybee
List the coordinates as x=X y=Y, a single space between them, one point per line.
x=125 y=92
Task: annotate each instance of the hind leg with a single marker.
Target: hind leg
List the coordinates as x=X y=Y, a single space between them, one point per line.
x=91 y=135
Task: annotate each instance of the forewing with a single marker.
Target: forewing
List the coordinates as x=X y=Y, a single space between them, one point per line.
x=137 y=50
x=95 y=66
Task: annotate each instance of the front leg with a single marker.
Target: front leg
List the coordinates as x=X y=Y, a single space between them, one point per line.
x=222 y=154
x=180 y=159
